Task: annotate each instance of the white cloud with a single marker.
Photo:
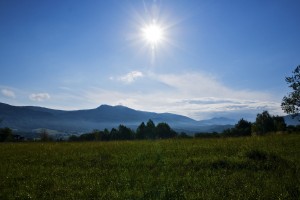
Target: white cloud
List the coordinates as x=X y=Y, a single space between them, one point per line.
x=196 y=85
x=39 y=96
x=195 y=95
x=130 y=77
x=8 y=93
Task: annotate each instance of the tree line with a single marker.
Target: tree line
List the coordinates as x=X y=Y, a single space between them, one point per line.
x=264 y=124
x=6 y=135
x=144 y=131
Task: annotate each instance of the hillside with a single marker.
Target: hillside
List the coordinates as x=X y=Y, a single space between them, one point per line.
x=29 y=118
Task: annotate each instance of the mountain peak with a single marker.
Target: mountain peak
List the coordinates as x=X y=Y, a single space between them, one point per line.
x=103 y=106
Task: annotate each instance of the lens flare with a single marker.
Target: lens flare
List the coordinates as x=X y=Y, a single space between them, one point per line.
x=153 y=34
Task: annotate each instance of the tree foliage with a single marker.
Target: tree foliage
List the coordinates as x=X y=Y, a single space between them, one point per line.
x=150 y=130
x=242 y=128
x=163 y=130
x=266 y=123
x=144 y=131
x=291 y=103
x=141 y=131
x=6 y=135
x=263 y=123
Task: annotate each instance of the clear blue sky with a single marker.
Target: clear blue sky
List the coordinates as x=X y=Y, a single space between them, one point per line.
x=218 y=58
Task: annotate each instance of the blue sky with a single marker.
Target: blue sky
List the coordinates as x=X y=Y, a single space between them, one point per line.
x=218 y=58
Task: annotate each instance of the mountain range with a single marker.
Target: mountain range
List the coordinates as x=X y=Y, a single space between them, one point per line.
x=31 y=118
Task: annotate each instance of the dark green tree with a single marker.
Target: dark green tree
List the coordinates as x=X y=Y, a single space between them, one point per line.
x=264 y=123
x=114 y=134
x=291 y=103
x=163 y=130
x=279 y=124
x=141 y=131
x=125 y=133
x=6 y=135
x=243 y=127
x=150 y=130
x=106 y=135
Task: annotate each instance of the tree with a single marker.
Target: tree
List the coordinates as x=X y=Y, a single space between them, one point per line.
x=291 y=103
x=279 y=124
x=163 y=130
x=124 y=133
x=242 y=128
x=150 y=130
x=106 y=135
x=6 y=135
x=114 y=134
x=264 y=123
x=141 y=131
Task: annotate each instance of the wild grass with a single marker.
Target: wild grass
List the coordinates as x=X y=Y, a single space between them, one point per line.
x=227 y=168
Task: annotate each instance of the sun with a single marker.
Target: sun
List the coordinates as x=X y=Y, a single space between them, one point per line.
x=153 y=34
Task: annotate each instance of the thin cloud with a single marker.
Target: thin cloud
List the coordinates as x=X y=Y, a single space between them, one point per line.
x=8 y=93
x=196 y=95
x=39 y=96
x=130 y=77
x=197 y=85
x=210 y=100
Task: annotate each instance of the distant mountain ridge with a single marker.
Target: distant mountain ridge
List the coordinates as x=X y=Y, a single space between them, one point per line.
x=29 y=118
x=290 y=120
x=219 y=121
x=32 y=118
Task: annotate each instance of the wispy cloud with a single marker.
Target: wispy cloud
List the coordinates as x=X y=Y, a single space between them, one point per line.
x=200 y=85
x=129 y=77
x=39 y=96
x=195 y=95
x=8 y=93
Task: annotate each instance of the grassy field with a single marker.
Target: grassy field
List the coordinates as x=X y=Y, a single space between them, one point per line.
x=232 y=168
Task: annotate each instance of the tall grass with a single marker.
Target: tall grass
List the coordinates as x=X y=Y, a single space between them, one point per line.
x=231 y=168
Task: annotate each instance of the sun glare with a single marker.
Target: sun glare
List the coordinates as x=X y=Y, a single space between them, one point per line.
x=153 y=34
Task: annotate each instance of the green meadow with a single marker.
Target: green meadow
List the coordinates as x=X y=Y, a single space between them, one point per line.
x=265 y=167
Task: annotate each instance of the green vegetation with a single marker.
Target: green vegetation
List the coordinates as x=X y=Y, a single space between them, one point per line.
x=148 y=131
x=6 y=135
x=260 y=167
x=291 y=103
x=264 y=124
